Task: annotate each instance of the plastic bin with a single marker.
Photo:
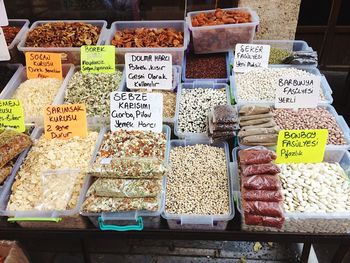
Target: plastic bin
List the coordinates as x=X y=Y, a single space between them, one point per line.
x=224 y=80
x=9 y=90
x=222 y=38
x=203 y=85
x=69 y=54
x=202 y=222
x=324 y=85
x=176 y=52
x=17 y=71
x=132 y=220
x=43 y=219
x=305 y=222
x=24 y=25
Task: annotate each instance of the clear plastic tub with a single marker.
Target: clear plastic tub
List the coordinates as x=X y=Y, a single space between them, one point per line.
x=17 y=71
x=24 y=25
x=203 y=85
x=224 y=80
x=176 y=52
x=43 y=219
x=21 y=76
x=324 y=85
x=133 y=220
x=222 y=38
x=69 y=54
x=205 y=222
x=305 y=222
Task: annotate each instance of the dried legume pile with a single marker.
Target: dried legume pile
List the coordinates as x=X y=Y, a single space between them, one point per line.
x=194 y=107
x=93 y=90
x=197 y=181
x=37 y=93
x=319 y=118
x=258 y=84
x=5 y=75
x=278 y=55
x=63 y=34
x=208 y=66
x=50 y=155
x=10 y=33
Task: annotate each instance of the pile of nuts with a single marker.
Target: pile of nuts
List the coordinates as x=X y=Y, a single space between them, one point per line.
x=318 y=118
x=63 y=34
x=148 y=37
x=221 y=17
x=194 y=107
x=197 y=181
x=10 y=33
x=93 y=90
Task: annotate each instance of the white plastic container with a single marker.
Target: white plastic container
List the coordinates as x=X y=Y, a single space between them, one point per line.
x=222 y=38
x=69 y=54
x=203 y=85
x=11 y=87
x=24 y=25
x=205 y=222
x=44 y=219
x=305 y=222
x=176 y=52
x=133 y=220
x=324 y=85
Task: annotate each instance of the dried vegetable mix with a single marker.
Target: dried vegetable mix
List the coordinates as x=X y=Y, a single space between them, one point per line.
x=63 y=34
x=221 y=17
x=10 y=33
x=93 y=90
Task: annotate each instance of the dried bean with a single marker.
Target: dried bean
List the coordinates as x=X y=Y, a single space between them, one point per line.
x=208 y=66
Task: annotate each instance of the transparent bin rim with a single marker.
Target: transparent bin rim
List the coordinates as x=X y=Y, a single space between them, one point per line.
x=204 y=85
x=254 y=22
x=345 y=157
x=338 y=118
x=203 y=219
x=130 y=215
x=5 y=195
x=304 y=44
x=219 y=80
x=102 y=23
x=313 y=70
x=19 y=35
x=147 y=24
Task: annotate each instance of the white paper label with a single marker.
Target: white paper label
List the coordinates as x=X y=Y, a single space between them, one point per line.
x=301 y=92
x=148 y=70
x=4 y=51
x=136 y=111
x=3 y=15
x=249 y=56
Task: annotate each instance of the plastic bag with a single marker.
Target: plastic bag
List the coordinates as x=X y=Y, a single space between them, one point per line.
x=254 y=122
x=12 y=143
x=106 y=187
x=262 y=195
x=269 y=124
x=258 y=131
x=256 y=156
x=257 y=220
x=57 y=188
x=263 y=208
x=255 y=117
x=224 y=114
x=254 y=109
x=261 y=182
x=254 y=169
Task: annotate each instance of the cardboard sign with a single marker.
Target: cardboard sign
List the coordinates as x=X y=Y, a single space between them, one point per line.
x=136 y=111
x=3 y=15
x=148 y=71
x=301 y=146
x=249 y=56
x=97 y=59
x=294 y=93
x=65 y=121
x=4 y=51
x=43 y=65
x=12 y=115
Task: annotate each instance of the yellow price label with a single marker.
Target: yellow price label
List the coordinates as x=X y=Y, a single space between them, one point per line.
x=97 y=59
x=301 y=146
x=12 y=115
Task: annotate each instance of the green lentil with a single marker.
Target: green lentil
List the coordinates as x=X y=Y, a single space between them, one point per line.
x=93 y=90
x=277 y=55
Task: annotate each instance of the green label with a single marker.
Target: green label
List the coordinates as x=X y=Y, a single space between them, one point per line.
x=97 y=59
x=12 y=115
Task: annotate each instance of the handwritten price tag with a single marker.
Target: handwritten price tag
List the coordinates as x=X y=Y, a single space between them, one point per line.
x=12 y=115
x=65 y=121
x=43 y=65
x=97 y=59
x=301 y=146
x=249 y=56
